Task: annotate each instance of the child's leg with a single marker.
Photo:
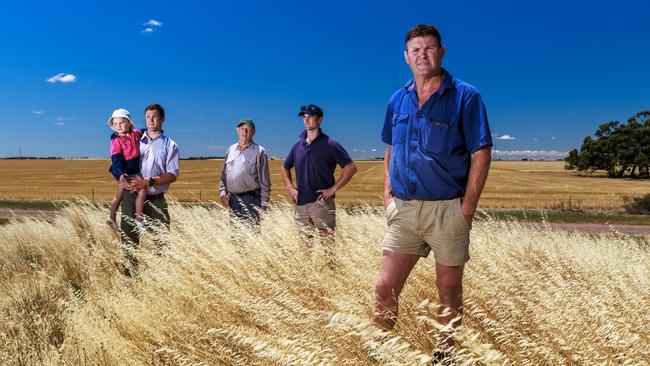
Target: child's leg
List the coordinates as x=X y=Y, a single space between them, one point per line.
x=117 y=200
x=139 y=204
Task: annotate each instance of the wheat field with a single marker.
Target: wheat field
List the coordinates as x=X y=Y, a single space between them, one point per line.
x=216 y=296
x=511 y=184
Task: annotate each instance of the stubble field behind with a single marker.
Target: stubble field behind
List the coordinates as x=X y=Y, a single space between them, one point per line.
x=510 y=184
x=532 y=296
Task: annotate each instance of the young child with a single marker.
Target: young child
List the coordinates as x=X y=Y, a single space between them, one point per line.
x=125 y=163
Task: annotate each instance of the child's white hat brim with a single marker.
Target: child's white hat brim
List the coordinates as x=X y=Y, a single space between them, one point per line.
x=120 y=112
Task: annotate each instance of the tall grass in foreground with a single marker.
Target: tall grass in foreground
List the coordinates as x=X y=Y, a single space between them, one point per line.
x=531 y=296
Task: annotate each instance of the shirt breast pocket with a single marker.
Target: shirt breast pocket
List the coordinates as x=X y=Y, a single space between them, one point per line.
x=435 y=135
x=251 y=167
x=400 y=124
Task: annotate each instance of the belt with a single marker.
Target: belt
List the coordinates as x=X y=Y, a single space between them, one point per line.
x=155 y=196
x=255 y=192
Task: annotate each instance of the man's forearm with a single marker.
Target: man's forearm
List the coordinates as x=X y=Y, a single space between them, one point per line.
x=346 y=175
x=387 y=187
x=478 y=172
x=286 y=177
x=163 y=179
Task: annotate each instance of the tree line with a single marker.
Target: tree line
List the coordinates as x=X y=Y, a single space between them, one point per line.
x=619 y=149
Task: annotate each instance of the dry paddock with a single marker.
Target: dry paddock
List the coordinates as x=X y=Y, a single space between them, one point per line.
x=510 y=184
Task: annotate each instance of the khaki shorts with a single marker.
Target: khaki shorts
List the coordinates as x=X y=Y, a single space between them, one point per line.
x=417 y=227
x=320 y=214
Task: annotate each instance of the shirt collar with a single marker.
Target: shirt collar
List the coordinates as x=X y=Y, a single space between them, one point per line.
x=447 y=83
x=249 y=146
x=146 y=138
x=303 y=134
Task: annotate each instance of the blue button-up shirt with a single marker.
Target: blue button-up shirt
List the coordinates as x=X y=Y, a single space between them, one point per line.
x=432 y=145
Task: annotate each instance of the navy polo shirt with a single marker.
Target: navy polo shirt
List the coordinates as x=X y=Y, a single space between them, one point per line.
x=315 y=164
x=432 y=145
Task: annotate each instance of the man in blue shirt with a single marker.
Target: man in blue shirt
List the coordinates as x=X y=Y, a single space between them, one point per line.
x=435 y=168
x=315 y=157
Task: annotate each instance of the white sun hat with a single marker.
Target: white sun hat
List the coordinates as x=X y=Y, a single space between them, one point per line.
x=120 y=112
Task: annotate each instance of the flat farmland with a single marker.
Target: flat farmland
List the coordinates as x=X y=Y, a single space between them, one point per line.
x=511 y=184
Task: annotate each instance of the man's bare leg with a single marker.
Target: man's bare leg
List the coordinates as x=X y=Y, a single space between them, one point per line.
x=393 y=272
x=449 y=281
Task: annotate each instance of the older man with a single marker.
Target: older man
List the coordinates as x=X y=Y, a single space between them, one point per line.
x=436 y=165
x=245 y=185
x=159 y=165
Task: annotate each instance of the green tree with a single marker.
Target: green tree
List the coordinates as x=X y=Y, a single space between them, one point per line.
x=619 y=149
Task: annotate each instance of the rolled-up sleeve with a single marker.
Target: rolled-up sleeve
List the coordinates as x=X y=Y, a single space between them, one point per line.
x=173 y=157
x=264 y=177
x=223 y=182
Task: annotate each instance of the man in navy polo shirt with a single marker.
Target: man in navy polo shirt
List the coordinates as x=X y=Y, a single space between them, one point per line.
x=315 y=157
x=436 y=165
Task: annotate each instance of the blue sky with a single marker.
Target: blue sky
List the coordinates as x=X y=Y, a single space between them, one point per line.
x=549 y=72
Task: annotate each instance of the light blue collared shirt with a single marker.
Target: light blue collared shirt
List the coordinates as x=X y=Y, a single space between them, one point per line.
x=157 y=157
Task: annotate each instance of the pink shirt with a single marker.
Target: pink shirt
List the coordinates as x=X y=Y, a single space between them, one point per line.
x=127 y=145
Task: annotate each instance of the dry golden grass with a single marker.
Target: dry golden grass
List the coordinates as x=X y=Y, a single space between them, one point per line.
x=531 y=296
x=510 y=184
x=513 y=184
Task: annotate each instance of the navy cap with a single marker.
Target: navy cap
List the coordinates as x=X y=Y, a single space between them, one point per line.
x=311 y=110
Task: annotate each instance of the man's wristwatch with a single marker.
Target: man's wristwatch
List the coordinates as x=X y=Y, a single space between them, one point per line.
x=151 y=182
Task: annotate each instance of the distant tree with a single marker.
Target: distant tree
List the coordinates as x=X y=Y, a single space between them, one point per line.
x=619 y=149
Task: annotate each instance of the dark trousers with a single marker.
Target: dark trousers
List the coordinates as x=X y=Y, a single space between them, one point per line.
x=246 y=207
x=156 y=213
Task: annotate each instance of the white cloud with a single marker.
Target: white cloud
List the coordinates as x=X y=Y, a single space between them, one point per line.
x=505 y=137
x=553 y=138
x=373 y=150
x=530 y=154
x=59 y=123
x=213 y=147
x=153 y=23
x=63 y=119
x=535 y=139
x=38 y=112
x=62 y=78
x=151 y=26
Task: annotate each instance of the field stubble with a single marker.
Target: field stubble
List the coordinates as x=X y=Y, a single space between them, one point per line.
x=531 y=296
x=510 y=185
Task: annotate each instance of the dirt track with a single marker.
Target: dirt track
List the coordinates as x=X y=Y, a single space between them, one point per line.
x=7 y=213
x=583 y=227
x=599 y=228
